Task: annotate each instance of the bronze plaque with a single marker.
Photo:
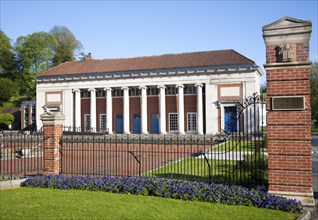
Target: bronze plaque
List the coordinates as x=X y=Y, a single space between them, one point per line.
x=288 y=103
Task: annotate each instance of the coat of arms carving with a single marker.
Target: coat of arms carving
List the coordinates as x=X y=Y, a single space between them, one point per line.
x=285 y=53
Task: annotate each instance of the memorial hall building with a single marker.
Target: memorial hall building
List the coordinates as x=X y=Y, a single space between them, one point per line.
x=187 y=93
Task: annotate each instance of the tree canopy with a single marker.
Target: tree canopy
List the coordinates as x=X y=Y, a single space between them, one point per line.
x=7 y=90
x=31 y=55
x=67 y=45
x=314 y=90
x=7 y=62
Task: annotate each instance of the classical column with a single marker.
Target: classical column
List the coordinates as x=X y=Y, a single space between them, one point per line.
x=144 y=129
x=109 y=110
x=126 y=110
x=77 y=109
x=29 y=115
x=199 y=109
x=180 y=109
x=93 y=109
x=162 y=109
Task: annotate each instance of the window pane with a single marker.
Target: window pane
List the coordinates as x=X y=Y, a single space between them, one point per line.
x=87 y=122
x=173 y=121
x=103 y=122
x=192 y=121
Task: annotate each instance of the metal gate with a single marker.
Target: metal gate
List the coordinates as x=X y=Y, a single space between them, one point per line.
x=236 y=157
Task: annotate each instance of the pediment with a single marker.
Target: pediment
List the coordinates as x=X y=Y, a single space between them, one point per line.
x=286 y=22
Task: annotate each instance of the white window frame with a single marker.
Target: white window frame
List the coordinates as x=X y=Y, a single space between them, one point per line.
x=101 y=122
x=87 y=122
x=190 y=116
x=175 y=114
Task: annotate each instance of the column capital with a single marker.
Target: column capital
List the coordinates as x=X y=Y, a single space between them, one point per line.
x=179 y=86
x=198 y=85
x=161 y=86
x=92 y=90
x=107 y=89
x=76 y=90
x=143 y=87
x=125 y=88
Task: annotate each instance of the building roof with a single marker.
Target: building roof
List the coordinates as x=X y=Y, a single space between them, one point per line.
x=168 y=61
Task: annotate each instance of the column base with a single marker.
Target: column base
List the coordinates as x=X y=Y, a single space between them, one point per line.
x=181 y=133
x=126 y=132
x=307 y=199
x=144 y=132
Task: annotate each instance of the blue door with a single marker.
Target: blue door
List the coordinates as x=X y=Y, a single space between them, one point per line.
x=119 y=124
x=136 y=124
x=230 y=119
x=154 y=124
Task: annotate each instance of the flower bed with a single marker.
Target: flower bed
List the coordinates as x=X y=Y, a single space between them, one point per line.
x=168 y=188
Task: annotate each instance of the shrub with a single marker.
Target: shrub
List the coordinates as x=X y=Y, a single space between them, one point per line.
x=5 y=120
x=169 y=188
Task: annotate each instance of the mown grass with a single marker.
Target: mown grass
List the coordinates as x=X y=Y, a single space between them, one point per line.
x=194 y=169
x=37 y=203
x=235 y=146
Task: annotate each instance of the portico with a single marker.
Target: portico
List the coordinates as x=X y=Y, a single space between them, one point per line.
x=169 y=94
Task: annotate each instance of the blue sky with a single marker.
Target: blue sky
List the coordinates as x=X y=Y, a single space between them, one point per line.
x=116 y=29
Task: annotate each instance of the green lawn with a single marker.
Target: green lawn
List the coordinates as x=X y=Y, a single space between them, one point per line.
x=194 y=169
x=235 y=145
x=37 y=203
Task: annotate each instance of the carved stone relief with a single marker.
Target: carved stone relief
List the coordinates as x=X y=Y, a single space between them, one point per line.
x=285 y=53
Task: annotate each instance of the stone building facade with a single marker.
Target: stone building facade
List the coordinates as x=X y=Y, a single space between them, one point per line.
x=192 y=93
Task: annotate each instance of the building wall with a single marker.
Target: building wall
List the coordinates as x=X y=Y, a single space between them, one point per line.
x=211 y=109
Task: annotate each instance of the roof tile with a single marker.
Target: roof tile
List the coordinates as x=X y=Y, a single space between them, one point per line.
x=167 y=61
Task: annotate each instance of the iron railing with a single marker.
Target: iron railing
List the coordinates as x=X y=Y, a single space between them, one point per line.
x=21 y=154
x=238 y=156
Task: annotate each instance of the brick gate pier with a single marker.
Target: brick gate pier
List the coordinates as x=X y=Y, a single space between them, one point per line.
x=288 y=105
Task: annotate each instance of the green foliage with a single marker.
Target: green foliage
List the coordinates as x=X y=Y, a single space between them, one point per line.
x=7 y=62
x=314 y=90
x=5 y=120
x=27 y=86
x=34 y=55
x=31 y=55
x=67 y=45
x=7 y=90
x=35 y=52
x=254 y=167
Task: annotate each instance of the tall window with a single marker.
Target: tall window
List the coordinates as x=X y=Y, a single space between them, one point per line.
x=190 y=89
x=117 y=92
x=100 y=93
x=102 y=122
x=192 y=121
x=173 y=121
x=134 y=91
x=152 y=91
x=171 y=90
x=85 y=94
x=87 y=122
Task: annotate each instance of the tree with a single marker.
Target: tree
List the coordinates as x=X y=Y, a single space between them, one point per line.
x=35 y=53
x=67 y=45
x=7 y=90
x=6 y=119
x=7 y=62
x=314 y=90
